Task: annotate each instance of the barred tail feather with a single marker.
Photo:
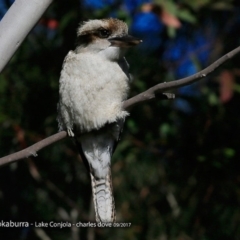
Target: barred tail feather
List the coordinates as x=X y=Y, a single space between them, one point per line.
x=103 y=198
x=96 y=149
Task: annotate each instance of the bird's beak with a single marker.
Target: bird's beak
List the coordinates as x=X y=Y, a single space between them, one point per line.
x=124 y=41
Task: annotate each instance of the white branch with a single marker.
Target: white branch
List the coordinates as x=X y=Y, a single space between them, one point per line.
x=16 y=24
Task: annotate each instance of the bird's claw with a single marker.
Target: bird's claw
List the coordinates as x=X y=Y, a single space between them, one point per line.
x=70 y=132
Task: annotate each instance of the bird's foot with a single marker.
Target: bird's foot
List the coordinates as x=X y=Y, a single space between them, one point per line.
x=70 y=132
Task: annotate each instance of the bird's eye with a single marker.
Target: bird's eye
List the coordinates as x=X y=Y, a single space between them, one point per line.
x=104 y=33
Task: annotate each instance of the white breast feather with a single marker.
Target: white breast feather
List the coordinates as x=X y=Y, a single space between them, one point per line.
x=92 y=88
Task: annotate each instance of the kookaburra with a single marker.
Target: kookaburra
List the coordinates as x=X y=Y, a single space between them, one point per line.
x=94 y=82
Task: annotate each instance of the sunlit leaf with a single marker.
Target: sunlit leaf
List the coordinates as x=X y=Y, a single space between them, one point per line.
x=186 y=15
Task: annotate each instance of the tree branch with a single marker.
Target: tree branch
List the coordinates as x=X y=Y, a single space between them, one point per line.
x=151 y=92
x=32 y=150
x=16 y=24
x=142 y=97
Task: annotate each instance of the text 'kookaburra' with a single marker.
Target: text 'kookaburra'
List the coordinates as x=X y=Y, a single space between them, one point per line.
x=94 y=83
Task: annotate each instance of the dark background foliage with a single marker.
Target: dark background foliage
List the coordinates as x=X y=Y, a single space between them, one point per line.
x=176 y=171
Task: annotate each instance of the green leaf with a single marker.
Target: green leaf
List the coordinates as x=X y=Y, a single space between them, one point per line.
x=169 y=6
x=229 y=152
x=201 y=158
x=171 y=32
x=222 y=6
x=213 y=99
x=187 y=16
x=236 y=88
x=197 y=4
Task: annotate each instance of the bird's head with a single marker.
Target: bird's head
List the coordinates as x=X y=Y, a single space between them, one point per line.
x=106 y=36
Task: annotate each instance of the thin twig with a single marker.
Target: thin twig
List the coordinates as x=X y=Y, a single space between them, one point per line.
x=150 y=93
x=32 y=150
